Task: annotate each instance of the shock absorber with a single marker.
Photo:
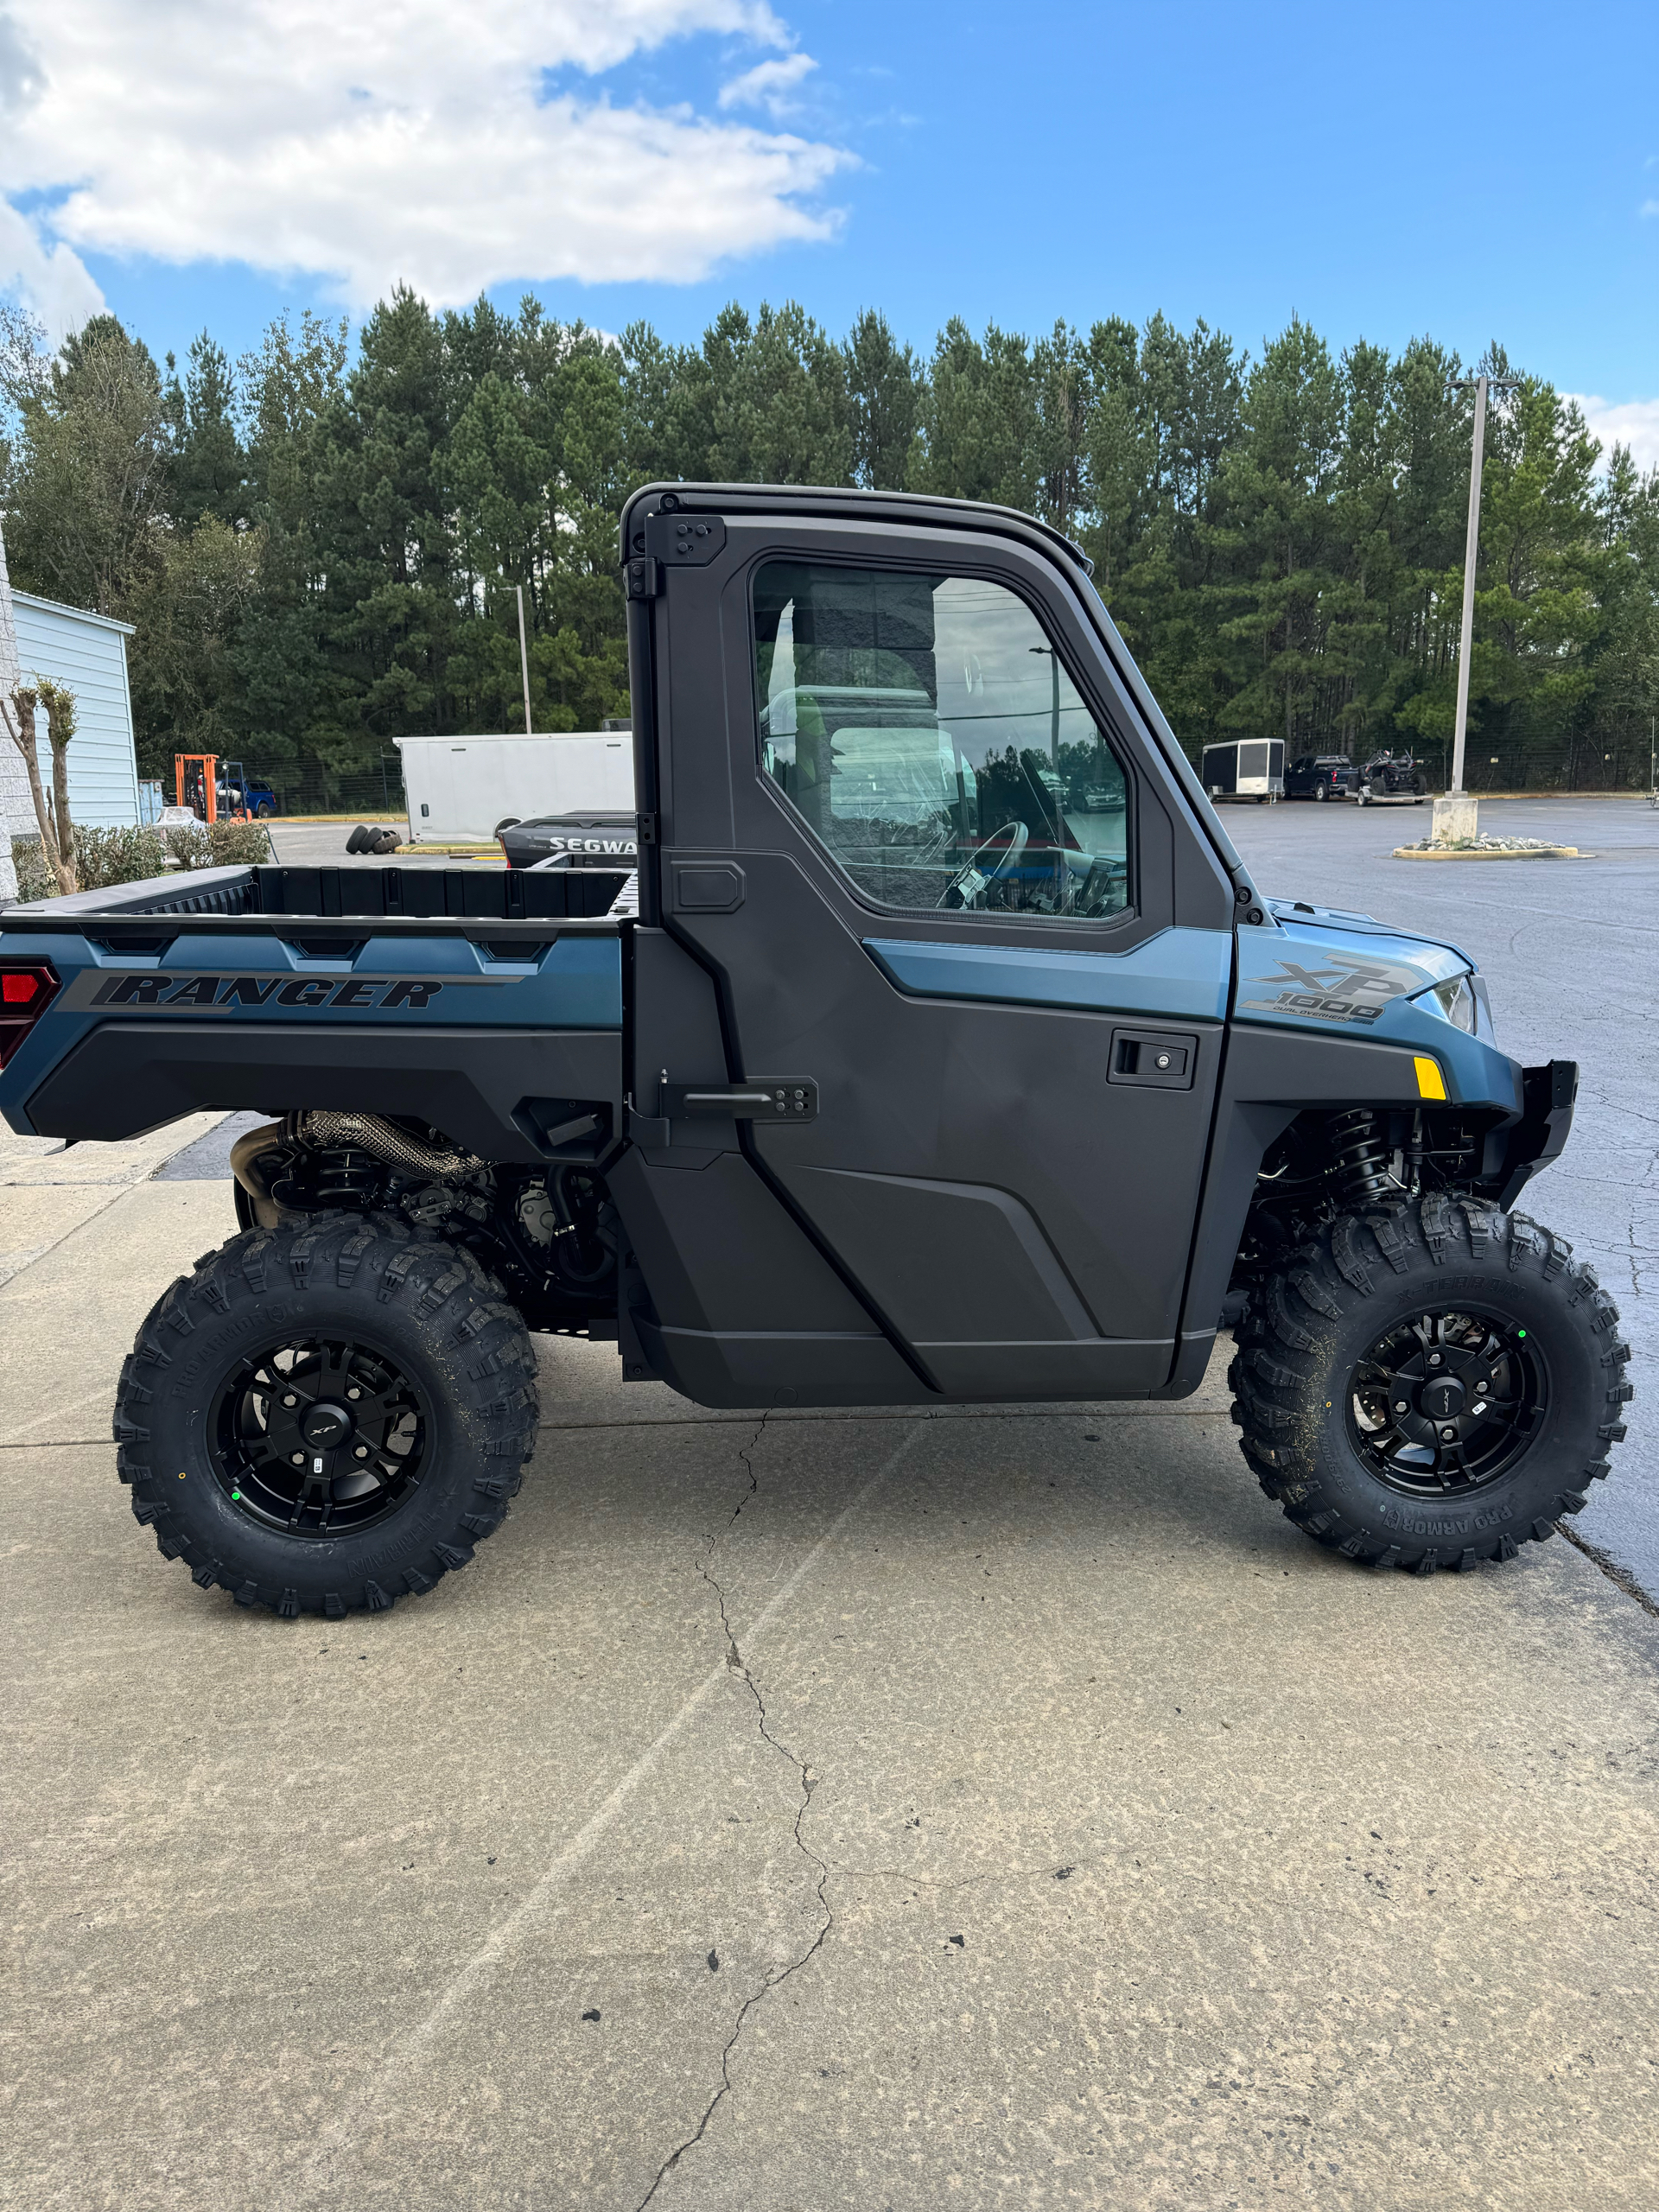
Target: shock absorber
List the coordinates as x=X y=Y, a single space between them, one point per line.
x=1359 y=1157
x=346 y=1178
x=314 y=1178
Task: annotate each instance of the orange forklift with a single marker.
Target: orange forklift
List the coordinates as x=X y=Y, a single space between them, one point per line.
x=197 y=784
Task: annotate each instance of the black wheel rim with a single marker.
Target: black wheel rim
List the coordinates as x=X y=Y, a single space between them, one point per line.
x=320 y=1436
x=1446 y=1402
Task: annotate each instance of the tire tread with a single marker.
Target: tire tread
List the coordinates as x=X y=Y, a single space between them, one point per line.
x=1277 y=1376
x=480 y=1343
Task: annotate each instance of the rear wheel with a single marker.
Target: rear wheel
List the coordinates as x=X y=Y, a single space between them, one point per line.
x=327 y=1417
x=1320 y=792
x=1431 y=1385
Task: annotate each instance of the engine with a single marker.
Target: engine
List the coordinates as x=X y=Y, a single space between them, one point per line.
x=548 y=1233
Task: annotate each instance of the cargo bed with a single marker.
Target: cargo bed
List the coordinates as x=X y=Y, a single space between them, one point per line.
x=482 y=1001
x=354 y=893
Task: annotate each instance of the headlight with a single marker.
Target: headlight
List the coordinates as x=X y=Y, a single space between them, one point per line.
x=1456 y=1001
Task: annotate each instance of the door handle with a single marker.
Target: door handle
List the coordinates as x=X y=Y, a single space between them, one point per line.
x=794 y=1102
x=1161 y=1059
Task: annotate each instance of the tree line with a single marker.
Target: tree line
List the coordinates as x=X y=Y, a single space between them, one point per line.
x=319 y=543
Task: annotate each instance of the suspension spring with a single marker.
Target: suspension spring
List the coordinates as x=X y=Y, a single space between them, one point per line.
x=346 y=1177
x=1360 y=1157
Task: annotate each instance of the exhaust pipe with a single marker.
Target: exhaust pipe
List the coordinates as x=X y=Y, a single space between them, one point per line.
x=326 y=1131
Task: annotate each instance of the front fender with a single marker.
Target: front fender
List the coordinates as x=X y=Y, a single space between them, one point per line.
x=1271 y=1074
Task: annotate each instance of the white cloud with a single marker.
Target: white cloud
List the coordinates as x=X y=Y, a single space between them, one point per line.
x=366 y=142
x=1633 y=422
x=53 y=281
x=768 y=84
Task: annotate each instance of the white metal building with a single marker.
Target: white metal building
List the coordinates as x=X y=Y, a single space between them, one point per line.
x=86 y=653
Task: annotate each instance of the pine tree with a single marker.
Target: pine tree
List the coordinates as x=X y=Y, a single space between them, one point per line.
x=293 y=390
x=884 y=390
x=209 y=468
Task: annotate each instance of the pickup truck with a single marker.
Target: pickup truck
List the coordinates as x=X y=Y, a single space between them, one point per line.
x=237 y=789
x=897 y=1080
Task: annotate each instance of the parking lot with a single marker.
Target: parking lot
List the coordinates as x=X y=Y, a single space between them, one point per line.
x=1004 y=1806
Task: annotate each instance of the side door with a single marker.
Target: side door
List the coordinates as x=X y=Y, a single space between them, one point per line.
x=972 y=951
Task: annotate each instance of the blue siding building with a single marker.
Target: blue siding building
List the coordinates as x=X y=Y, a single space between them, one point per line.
x=86 y=653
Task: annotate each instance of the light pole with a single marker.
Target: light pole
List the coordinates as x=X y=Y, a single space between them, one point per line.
x=1054 y=711
x=524 y=658
x=1455 y=815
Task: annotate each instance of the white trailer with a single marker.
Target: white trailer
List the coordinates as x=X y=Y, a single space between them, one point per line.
x=1253 y=769
x=463 y=789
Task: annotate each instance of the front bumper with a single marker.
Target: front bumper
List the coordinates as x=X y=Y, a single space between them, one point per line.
x=1549 y=1094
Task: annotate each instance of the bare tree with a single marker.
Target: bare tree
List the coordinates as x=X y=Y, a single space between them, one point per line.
x=17 y=718
x=60 y=704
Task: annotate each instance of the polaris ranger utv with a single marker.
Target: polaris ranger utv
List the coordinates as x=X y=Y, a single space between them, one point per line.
x=950 y=1054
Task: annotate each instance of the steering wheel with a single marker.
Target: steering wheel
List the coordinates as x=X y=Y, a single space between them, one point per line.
x=970 y=885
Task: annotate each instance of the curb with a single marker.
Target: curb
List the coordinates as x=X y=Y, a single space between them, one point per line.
x=1531 y=853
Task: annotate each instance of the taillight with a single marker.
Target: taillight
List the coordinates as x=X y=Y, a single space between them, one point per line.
x=27 y=989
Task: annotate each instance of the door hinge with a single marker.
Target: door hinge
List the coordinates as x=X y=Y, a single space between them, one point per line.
x=795 y=1101
x=643 y=576
x=650 y=832
x=682 y=540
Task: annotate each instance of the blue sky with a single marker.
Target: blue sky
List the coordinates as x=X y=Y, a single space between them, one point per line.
x=1383 y=172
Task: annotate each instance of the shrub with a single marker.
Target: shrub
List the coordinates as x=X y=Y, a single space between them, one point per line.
x=120 y=855
x=239 y=844
x=187 y=845
x=35 y=878
x=220 y=844
x=105 y=857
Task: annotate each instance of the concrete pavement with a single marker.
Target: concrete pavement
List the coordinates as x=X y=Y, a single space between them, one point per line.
x=815 y=1812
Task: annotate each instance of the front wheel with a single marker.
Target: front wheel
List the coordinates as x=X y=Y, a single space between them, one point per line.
x=324 y=1418
x=1430 y=1385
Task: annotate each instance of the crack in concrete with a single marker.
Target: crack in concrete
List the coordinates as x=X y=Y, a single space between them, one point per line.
x=1620 y=1577
x=739 y=1666
x=747 y=1458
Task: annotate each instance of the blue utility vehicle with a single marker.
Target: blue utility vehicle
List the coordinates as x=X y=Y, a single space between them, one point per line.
x=948 y=1053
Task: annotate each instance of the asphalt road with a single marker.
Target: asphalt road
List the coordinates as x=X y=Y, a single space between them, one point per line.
x=1571 y=951
x=322 y=845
